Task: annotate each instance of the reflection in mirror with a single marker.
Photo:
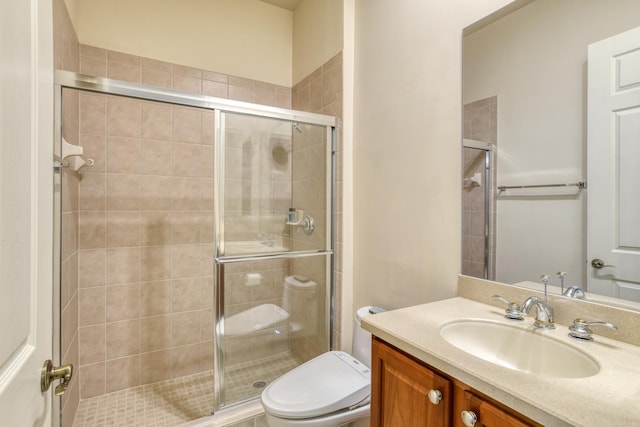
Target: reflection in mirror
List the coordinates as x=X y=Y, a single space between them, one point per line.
x=525 y=92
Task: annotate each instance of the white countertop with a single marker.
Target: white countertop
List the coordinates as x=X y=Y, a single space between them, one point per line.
x=609 y=398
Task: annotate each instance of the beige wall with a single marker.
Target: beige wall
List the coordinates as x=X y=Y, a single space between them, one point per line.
x=407 y=148
x=317 y=35
x=227 y=36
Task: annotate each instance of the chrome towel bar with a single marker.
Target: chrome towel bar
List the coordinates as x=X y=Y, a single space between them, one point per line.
x=581 y=185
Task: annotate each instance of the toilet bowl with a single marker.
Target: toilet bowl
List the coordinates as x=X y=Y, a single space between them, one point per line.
x=330 y=390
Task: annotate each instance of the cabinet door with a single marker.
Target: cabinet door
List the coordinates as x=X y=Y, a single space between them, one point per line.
x=488 y=415
x=400 y=391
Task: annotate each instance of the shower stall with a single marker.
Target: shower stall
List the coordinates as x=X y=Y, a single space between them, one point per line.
x=195 y=252
x=478 y=215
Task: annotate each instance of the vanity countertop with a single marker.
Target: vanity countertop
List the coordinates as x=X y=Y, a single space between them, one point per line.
x=611 y=397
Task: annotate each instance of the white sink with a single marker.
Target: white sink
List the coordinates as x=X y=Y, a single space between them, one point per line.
x=525 y=350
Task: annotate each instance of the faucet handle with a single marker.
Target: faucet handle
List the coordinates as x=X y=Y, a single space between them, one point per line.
x=580 y=329
x=512 y=312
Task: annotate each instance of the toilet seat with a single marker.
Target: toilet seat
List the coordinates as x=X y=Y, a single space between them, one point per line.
x=332 y=381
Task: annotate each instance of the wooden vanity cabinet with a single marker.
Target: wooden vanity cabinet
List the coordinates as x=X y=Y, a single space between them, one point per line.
x=489 y=414
x=400 y=389
x=400 y=395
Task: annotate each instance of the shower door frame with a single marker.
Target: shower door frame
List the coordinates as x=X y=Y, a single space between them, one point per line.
x=488 y=164
x=71 y=80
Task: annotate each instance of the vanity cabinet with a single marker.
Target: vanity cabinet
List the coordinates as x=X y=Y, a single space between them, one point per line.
x=406 y=392
x=401 y=389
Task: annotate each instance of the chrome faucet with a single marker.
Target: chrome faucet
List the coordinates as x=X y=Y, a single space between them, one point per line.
x=544 y=313
x=574 y=292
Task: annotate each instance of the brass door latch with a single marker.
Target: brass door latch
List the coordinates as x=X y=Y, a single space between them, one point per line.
x=51 y=373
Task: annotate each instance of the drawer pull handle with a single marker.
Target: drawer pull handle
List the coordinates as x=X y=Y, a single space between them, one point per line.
x=435 y=396
x=468 y=418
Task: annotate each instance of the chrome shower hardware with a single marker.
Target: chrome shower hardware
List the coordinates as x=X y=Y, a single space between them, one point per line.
x=307 y=224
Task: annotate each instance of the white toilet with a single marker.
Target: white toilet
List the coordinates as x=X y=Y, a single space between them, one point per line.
x=330 y=390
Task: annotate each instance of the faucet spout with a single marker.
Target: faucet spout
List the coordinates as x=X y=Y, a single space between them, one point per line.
x=544 y=313
x=574 y=292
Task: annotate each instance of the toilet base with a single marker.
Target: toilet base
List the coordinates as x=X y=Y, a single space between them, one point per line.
x=336 y=419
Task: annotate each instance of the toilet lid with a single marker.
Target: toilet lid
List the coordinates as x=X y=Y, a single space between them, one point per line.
x=332 y=381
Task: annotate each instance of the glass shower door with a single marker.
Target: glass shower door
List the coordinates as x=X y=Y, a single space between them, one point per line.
x=273 y=249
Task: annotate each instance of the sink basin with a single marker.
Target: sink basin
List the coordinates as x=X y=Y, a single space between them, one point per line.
x=524 y=350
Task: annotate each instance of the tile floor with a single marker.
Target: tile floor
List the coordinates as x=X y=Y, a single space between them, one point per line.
x=177 y=401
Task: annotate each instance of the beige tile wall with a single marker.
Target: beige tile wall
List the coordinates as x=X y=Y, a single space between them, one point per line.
x=121 y=66
x=480 y=124
x=145 y=238
x=320 y=92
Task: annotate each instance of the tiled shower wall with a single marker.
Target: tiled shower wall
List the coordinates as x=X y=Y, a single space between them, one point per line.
x=480 y=124
x=320 y=92
x=145 y=243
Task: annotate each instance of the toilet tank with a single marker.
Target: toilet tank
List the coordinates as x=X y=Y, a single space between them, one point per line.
x=361 y=345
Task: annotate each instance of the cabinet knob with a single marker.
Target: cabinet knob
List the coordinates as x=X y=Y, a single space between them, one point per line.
x=435 y=396
x=468 y=418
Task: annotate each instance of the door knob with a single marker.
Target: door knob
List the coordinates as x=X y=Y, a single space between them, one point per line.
x=598 y=264
x=51 y=373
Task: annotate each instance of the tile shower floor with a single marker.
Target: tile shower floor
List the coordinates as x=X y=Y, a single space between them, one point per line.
x=176 y=401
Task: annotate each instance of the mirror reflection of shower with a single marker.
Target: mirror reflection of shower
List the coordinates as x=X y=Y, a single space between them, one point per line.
x=478 y=199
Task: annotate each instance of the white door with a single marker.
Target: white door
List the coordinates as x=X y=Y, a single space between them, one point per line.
x=26 y=127
x=613 y=206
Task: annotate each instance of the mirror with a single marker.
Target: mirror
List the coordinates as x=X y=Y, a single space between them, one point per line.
x=525 y=95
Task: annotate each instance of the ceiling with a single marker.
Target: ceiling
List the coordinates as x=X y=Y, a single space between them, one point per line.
x=285 y=4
